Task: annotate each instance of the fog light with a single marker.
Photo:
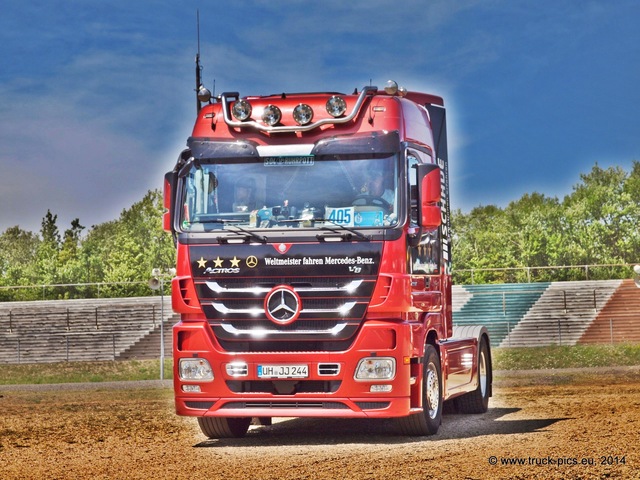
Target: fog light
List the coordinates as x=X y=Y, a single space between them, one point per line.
x=381 y=388
x=241 y=110
x=303 y=114
x=376 y=368
x=336 y=106
x=191 y=388
x=237 y=369
x=271 y=115
x=195 y=369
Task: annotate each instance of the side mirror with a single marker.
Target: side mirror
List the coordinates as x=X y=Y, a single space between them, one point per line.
x=168 y=195
x=429 y=195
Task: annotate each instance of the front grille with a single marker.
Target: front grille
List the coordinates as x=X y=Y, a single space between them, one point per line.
x=199 y=405
x=283 y=387
x=372 y=405
x=328 y=369
x=332 y=309
x=326 y=289
x=272 y=346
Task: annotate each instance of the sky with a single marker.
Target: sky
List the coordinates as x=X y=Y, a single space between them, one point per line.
x=97 y=97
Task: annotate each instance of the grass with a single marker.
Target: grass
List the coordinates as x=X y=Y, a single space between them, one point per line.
x=533 y=358
x=77 y=372
x=578 y=356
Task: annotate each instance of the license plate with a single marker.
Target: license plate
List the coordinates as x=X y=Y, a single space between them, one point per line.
x=283 y=371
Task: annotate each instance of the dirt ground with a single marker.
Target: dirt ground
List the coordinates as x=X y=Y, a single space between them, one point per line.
x=555 y=424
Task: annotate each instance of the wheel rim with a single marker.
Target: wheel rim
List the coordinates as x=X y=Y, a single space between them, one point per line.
x=432 y=388
x=483 y=374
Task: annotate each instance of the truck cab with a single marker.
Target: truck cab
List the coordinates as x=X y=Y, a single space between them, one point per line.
x=314 y=263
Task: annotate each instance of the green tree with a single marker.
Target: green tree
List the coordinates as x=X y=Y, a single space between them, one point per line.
x=48 y=249
x=481 y=241
x=139 y=245
x=18 y=257
x=71 y=265
x=601 y=219
x=534 y=234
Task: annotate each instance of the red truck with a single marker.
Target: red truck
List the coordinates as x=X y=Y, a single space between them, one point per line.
x=314 y=263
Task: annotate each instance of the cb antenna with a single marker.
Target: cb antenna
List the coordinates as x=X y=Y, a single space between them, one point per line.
x=202 y=94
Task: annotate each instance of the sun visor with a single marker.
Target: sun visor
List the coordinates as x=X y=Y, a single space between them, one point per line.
x=206 y=148
x=371 y=143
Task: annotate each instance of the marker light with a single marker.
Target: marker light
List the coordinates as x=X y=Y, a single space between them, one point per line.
x=271 y=115
x=241 y=110
x=303 y=114
x=191 y=388
x=336 y=106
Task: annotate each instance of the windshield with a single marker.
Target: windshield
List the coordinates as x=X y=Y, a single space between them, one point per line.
x=290 y=192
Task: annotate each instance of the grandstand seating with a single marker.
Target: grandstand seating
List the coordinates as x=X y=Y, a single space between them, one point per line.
x=76 y=330
x=533 y=314
x=498 y=307
x=619 y=320
x=562 y=314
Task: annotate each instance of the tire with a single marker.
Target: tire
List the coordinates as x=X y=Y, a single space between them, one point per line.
x=428 y=421
x=478 y=400
x=224 y=427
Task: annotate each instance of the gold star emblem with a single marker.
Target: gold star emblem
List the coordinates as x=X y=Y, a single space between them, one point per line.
x=235 y=262
x=202 y=263
x=218 y=262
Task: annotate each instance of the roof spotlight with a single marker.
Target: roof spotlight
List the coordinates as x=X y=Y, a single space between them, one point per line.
x=391 y=88
x=271 y=115
x=204 y=95
x=241 y=110
x=303 y=114
x=336 y=106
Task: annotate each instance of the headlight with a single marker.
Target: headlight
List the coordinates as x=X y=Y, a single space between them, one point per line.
x=303 y=114
x=195 y=369
x=241 y=110
x=376 y=368
x=336 y=106
x=271 y=115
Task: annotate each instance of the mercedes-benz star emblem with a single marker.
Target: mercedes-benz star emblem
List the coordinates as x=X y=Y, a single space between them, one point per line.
x=252 y=262
x=282 y=305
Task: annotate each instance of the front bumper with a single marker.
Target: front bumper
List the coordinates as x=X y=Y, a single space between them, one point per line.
x=329 y=389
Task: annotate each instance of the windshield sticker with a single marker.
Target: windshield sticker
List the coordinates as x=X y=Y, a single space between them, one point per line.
x=341 y=216
x=300 y=161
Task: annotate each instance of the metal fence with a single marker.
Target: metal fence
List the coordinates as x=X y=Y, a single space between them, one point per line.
x=66 y=291
x=563 y=332
x=525 y=274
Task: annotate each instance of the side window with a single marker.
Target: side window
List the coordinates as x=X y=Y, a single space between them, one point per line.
x=424 y=258
x=414 y=157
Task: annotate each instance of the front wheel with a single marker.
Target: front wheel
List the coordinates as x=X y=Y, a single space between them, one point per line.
x=428 y=421
x=224 y=427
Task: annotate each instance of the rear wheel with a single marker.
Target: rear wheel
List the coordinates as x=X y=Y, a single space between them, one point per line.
x=478 y=400
x=224 y=427
x=428 y=421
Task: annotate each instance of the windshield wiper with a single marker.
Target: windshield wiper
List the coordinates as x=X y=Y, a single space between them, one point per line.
x=347 y=236
x=242 y=232
x=238 y=230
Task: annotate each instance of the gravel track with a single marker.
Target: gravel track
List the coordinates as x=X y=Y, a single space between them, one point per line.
x=545 y=424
